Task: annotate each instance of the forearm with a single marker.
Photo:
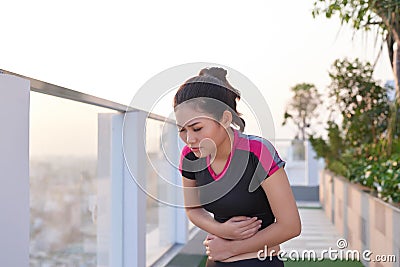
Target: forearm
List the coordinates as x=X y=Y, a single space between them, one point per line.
x=203 y=220
x=273 y=235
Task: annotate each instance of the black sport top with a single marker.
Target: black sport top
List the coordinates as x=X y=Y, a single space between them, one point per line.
x=236 y=191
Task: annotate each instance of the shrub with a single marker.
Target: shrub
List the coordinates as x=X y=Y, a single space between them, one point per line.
x=358 y=147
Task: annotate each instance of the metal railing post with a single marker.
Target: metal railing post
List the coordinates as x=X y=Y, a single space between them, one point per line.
x=14 y=171
x=134 y=203
x=110 y=191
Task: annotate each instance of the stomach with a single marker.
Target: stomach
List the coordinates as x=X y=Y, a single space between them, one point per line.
x=273 y=251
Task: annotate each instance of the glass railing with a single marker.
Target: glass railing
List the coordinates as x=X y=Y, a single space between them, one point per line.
x=81 y=210
x=63 y=184
x=160 y=215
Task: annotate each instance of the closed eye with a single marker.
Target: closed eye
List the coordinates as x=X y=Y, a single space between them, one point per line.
x=198 y=129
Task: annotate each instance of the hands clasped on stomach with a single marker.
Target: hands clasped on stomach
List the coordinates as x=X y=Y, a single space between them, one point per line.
x=220 y=248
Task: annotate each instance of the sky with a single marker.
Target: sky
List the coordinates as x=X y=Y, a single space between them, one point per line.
x=109 y=49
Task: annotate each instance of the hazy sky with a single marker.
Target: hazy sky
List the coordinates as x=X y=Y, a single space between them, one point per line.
x=110 y=49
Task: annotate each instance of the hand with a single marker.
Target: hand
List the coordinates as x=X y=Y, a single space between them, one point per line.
x=240 y=227
x=217 y=248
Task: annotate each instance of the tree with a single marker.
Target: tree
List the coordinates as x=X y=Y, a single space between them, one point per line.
x=332 y=149
x=364 y=14
x=302 y=107
x=361 y=100
x=364 y=109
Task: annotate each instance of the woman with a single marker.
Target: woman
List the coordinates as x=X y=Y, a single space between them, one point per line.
x=237 y=177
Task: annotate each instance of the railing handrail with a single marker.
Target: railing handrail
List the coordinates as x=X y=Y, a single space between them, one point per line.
x=59 y=91
x=63 y=92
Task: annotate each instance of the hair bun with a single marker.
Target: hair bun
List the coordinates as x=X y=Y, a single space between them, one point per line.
x=219 y=74
x=216 y=72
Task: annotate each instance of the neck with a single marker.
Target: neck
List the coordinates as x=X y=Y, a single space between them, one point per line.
x=225 y=148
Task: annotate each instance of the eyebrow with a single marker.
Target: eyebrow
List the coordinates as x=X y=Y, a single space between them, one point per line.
x=190 y=125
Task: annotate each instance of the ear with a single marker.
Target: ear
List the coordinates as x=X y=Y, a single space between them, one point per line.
x=226 y=119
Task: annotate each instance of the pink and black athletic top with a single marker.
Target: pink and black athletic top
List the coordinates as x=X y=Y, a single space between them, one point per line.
x=236 y=191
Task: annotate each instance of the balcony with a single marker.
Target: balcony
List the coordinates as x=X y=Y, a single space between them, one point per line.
x=92 y=183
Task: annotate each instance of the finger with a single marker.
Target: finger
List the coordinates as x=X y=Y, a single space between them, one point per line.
x=210 y=237
x=246 y=223
x=254 y=225
x=239 y=218
x=249 y=233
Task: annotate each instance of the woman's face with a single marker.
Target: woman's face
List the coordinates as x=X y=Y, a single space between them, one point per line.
x=202 y=133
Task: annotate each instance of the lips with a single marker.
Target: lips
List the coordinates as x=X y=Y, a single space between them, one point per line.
x=195 y=149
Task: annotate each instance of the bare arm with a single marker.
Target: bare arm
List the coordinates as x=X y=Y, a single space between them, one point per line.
x=239 y=227
x=287 y=225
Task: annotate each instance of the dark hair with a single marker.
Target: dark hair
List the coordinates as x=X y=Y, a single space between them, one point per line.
x=210 y=85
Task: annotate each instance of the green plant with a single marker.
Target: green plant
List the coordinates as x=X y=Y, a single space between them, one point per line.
x=384 y=17
x=388 y=184
x=381 y=174
x=332 y=149
x=362 y=102
x=356 y=147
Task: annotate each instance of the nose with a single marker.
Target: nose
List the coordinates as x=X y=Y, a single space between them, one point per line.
x=190 y=138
